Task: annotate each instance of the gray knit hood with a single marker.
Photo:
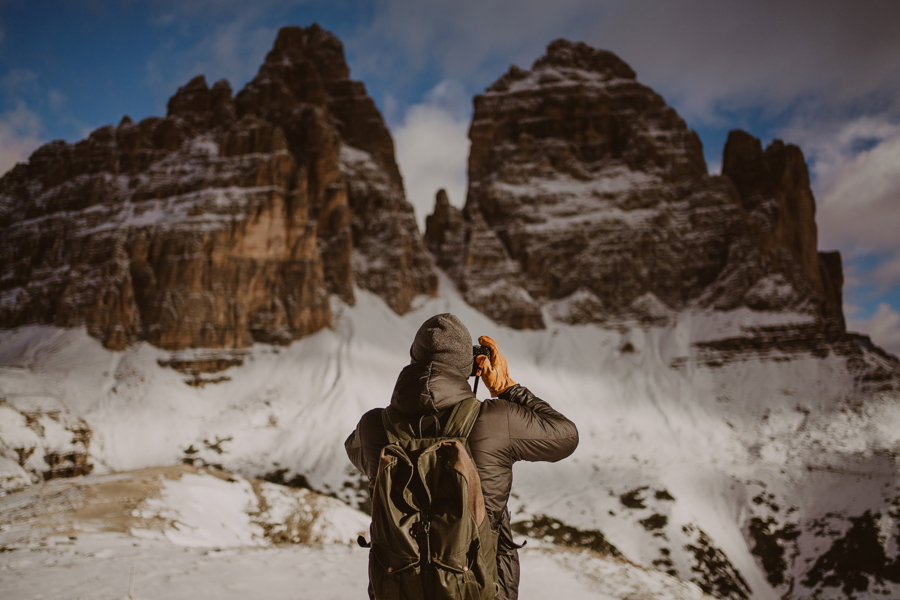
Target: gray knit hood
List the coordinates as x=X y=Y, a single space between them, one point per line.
x=443 y=338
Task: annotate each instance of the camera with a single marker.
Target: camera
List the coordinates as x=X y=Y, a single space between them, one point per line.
x=476 y=352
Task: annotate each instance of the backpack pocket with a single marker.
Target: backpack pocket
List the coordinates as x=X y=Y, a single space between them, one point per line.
x=394 y=513
x=388 y=584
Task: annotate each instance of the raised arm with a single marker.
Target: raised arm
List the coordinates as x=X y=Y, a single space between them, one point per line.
x=536 y=430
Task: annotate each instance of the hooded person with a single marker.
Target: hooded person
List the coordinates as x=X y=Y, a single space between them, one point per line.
x=514 y=425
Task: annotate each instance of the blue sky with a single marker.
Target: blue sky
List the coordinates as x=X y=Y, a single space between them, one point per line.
x=823 y=74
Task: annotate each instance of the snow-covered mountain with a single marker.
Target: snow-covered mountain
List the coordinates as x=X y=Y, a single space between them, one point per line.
x=733 y=434
x=589 y=196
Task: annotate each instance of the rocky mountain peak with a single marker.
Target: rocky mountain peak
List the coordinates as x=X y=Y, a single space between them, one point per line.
x=202 y=106
x=758 y=173
x=191 y=97
x=575 y=112
x=298 y=44
x=578 y=55
x=589 y=200
x=445 y=231
x=227 y=222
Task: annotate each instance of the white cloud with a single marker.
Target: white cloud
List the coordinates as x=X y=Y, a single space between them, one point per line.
x=433 y=146
x=704 y=56
x=56 y=100
x=851 y=310
x=20 y=135
x=852 y=281
x=856 y=168
x=883 y=327
x=390 y=108
x=709 y=55
x=859 y=193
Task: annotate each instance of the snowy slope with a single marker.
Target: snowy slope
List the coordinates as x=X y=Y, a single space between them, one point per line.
x=194 y=533
x=98 y=567
x=682 y=466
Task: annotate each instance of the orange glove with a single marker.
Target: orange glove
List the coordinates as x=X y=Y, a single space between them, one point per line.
x=494 y=371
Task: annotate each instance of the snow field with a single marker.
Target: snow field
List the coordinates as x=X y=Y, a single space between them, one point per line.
x=195 y=533
x=704 y=437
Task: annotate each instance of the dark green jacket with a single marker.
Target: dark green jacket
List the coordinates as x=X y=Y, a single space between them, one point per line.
x=515 y=426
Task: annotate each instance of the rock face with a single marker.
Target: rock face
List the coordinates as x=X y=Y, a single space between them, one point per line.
x=779 y=238
x=229 y=221
x=589 y=200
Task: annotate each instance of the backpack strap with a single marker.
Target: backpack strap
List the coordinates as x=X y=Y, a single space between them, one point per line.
x=462 y=418
x=396 y=426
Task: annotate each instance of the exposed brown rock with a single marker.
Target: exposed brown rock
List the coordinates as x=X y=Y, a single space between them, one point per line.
x=197 y=250
x=778 y=174
x=42 y=444
x=229 y=221
x=780 y=237
x=335 y=129
x=575 y=110
x=198 y=105
x=476 y=259
x=832 y=274
x=445 y=232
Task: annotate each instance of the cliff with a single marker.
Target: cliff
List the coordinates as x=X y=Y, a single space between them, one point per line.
x=589 y=200
x=231 y=220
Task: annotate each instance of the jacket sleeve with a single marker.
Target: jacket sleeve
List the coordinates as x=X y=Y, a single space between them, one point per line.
x=365 y=443
x=353 y=446
x=536 y=431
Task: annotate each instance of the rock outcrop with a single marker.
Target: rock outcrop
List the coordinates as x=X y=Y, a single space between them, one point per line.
x=42 y=440
x=589 y=200
x=229 y=221
x=780 y=231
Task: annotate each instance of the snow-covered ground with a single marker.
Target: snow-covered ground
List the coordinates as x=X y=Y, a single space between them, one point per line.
x=98 y=567
x=194 y=533
x=676 y=457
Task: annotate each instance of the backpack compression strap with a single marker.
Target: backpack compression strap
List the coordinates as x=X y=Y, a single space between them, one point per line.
x=462 y=418
x=459 y=425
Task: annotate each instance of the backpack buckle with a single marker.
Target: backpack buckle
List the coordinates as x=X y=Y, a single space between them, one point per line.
x=421 y=532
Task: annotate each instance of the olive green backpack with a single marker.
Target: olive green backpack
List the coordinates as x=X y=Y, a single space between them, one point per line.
x=431 y=534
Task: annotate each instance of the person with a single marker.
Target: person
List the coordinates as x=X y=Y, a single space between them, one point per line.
x=514 y=425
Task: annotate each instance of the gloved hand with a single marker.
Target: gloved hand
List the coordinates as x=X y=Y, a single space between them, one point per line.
x=494 y=372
